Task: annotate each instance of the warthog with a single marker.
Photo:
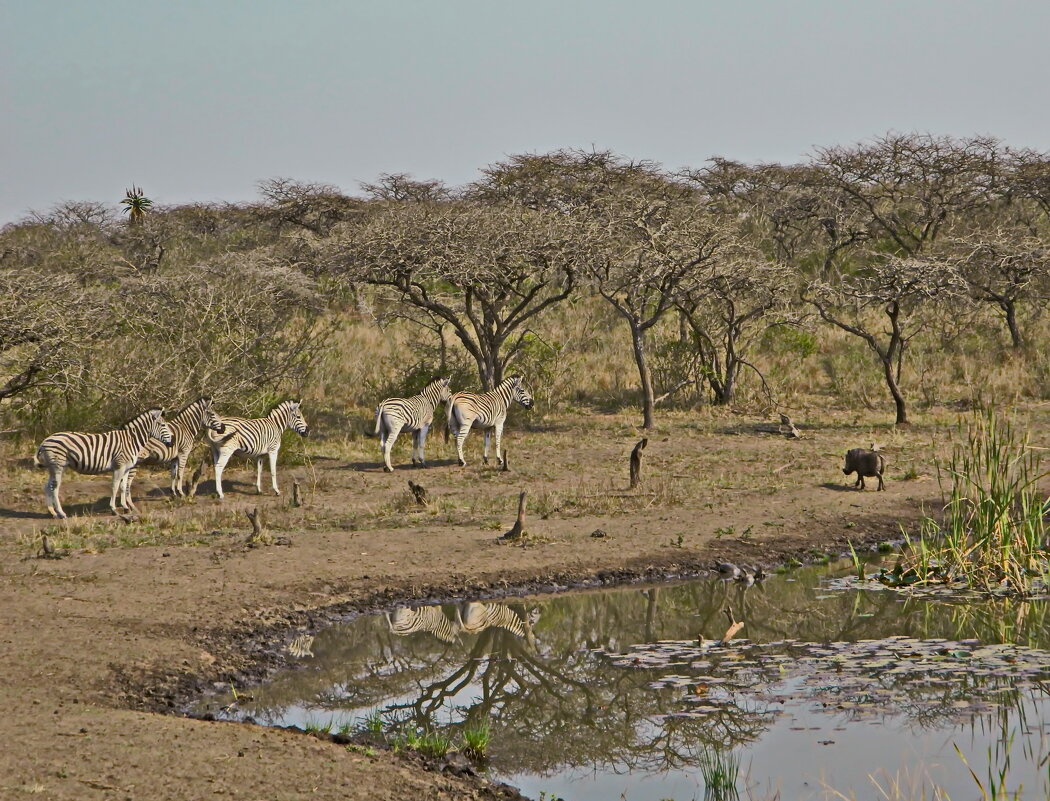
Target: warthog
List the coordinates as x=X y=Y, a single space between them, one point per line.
x=865 y=463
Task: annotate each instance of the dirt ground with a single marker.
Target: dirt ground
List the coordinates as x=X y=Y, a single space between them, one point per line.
x=100 y=649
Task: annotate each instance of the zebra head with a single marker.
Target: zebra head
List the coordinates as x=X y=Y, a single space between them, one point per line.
x=519 y=393
x=442 y=388
x=212 y=421
x=158 y=426
x=295 y=418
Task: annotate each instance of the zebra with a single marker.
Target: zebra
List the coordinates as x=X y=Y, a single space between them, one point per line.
x=487 y=411
x=415 y=413
x=479 y=616
x=256 y=438
x=185 y=427
x=431 y=619
x=117 y=450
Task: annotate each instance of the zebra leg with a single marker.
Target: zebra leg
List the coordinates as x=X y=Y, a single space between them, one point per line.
x=499 y=441
x=51 y=487
x=126 y=490
x=118 y=487
x=177 y=469
x=273 y=471
x=388 y=445
x=258 y=475
x=422 y=439
x=221 y=458
x=485 y=452
x=461 y=438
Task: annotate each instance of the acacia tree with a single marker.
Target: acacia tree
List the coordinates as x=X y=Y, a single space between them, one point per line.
x=313 y=207
x=1004 y=267
x=487 y=270
x=646 y=249
x=728 y=304
x=47 y=323
x=911 y=187
x=894 y=291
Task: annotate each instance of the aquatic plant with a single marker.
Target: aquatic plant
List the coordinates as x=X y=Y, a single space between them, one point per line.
x=720 y=771
x=373 y=722
x=993 y=535
x=476 y=741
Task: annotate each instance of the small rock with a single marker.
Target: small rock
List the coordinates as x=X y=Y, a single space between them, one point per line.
x=599 y=533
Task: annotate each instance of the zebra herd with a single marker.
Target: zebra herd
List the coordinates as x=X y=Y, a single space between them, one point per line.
x=149 y=438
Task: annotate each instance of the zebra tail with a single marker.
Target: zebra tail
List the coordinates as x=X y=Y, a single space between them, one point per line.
x=379 y=418
x=36 y=458
x=448 y=420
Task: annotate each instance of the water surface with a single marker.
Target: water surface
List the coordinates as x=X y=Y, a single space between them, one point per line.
x=602 y=695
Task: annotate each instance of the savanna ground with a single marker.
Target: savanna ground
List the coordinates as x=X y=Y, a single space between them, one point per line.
x=102 y=646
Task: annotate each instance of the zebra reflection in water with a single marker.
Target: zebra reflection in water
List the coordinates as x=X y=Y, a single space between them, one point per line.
x=474 y=618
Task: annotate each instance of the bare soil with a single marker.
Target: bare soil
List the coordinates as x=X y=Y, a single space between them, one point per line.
x=100 y=650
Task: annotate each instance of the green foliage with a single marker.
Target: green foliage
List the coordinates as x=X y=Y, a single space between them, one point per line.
x=790 y=340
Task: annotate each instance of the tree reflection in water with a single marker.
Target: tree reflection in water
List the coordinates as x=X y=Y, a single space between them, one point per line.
x=550 y=678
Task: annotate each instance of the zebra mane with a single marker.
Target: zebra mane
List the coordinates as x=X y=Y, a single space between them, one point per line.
x=202 y=400
x=138 y=418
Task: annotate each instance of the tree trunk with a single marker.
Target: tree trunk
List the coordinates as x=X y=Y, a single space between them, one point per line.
x=646 y=377
x=898 y=398
x=1010 y=307
x=726 y=388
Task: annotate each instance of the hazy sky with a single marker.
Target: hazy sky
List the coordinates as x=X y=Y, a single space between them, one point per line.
x=200 y=99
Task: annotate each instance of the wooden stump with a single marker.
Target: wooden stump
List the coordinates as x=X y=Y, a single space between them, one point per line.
x=517 y=531
x=419 y=492
x=636 y=462
x=297 y=494
x=198 y=474
x=257 y=524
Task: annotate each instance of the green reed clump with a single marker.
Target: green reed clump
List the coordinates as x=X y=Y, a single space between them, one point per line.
x=993 y=535
x=721 y=772
x=476 y=741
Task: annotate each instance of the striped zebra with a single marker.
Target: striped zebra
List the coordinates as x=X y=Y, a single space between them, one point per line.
x=487 y=411
x=256 y=438
x=431 y=619
x=117 y=450
x=415 y=414
x=479 y=616
x=185 y=427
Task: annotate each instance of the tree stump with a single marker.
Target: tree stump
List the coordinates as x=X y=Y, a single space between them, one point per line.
x=419 y=492
x=257 y=525
x=517 y=531
x=297 y=494
x=198 y=474
x=636 y=462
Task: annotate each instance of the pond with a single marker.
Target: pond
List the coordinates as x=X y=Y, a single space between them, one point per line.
x=613 y=694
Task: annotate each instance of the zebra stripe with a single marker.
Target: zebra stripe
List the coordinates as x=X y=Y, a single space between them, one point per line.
x=185 y=427
x=480 y=616
x=415 y=414
x=487 y=411
x=256 y=437
x=117 y=450
x=430 y=619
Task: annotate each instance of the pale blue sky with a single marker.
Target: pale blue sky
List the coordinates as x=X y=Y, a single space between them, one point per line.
x=200 y=99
